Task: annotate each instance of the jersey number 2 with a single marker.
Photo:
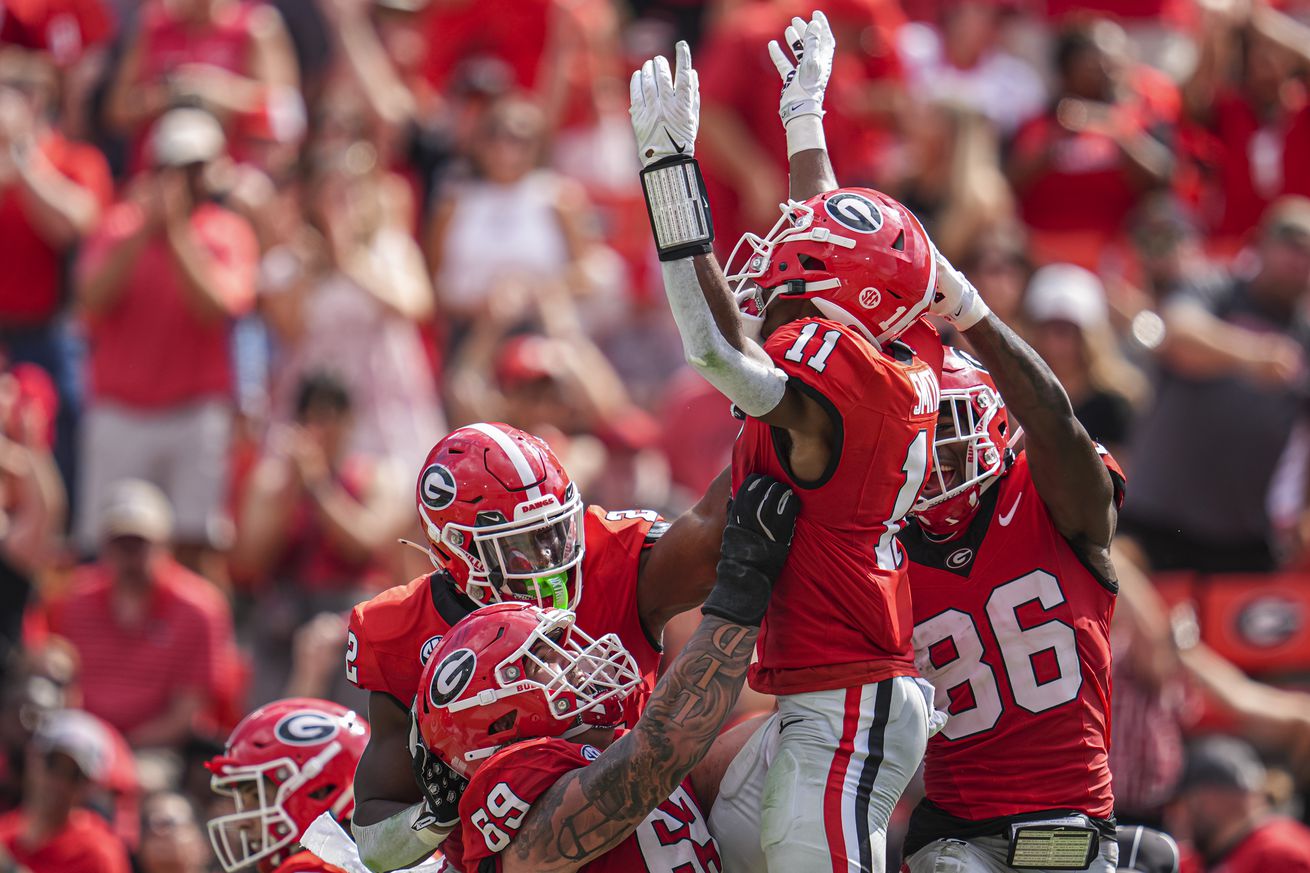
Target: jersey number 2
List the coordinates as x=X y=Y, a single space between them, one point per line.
x=1019 y=647
x=819 y=360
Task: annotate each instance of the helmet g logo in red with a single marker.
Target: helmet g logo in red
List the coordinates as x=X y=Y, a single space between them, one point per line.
x=437 y=487
x=306 y=728
x=451 y=677
x=855 y=212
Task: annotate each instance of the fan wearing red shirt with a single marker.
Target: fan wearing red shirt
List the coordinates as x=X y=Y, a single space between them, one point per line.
x=526 y=705
x=1245 y=94
x=52 y=191
x=1013 y=593
x=1224 y=807
x=159 y=285
x=503 y=521
x=232 y=57
x=50 y=833
x=818 y=341
x=155 y=640
x=1080 y=168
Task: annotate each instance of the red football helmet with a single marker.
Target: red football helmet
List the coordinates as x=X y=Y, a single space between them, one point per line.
x=980 y=426
x=502 y=517
x=862 y=258
x=513 y=671
x=284 y=765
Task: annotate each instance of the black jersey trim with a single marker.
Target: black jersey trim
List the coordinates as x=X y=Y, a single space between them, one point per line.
x=449 y=603
x=780 y=439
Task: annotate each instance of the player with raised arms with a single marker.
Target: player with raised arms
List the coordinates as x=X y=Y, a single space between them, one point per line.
x=817 y=339
x=1013 y=594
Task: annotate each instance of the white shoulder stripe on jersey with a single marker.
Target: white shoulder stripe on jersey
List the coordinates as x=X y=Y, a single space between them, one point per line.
x=515 y=455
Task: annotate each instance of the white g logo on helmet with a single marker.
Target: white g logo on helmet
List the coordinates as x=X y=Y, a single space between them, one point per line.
x=437 y=487
x=854 y=211
x=451 y=677
x=308 y=727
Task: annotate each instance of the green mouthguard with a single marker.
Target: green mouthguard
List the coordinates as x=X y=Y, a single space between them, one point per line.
x=552 y=590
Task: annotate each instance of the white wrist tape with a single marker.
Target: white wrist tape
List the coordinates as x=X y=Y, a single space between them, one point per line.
x=398 y=842
x=678 y=208
x=805 y=132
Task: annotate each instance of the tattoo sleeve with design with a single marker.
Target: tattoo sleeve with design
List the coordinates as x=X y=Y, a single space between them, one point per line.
x=592 y=809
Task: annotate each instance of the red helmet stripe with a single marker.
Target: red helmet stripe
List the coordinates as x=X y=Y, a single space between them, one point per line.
x=516 y=457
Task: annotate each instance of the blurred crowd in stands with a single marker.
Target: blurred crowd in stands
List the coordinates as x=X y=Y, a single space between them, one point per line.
x=256 y=257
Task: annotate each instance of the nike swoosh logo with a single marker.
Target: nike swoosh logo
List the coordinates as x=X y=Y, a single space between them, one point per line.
x=1005 y=519
x=678 y=148
x=795 y=106
x=783 y=724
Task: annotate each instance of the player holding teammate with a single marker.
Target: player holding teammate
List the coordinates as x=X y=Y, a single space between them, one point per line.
x=503 y=522
x=1013 y=594
x=524 y=703
x=841 y=410
x=284 y=765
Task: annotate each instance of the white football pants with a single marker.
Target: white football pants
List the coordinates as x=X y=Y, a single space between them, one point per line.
x=988 y=854
x=814 y=788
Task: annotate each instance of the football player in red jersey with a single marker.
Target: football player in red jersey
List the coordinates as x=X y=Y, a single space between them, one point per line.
x=817 y=340
x=1013 y=594
x=284 y=765
x=526 y=705
x=503 y=522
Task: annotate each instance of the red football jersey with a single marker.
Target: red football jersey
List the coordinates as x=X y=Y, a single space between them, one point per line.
x=392 y=635
x=1014 y=631
x=674 y=837
x=840 y=614
x=1279 y=844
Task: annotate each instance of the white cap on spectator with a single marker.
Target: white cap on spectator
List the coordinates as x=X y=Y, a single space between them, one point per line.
x=186 y=136
x=78 y=735
x=138 y=509
x=1065 y=292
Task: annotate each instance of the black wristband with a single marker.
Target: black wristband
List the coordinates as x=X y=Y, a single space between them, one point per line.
x=747 y=569
x=678 y=207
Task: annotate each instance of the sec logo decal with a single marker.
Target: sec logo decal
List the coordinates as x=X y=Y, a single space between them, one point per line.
x=436 y=487
x=426 y=652
x=452 y=676
x=854 y=211
x=870 y=298
x=591 y=753
x=306 y=728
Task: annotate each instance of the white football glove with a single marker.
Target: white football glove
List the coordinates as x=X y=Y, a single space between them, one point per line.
x=936 y=718
x=804 y=81
x=956 y=300
x=665 y=108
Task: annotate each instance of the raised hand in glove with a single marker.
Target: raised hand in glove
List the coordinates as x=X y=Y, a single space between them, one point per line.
x=756 y=541
x=956 y=300
x=804 y=80
x=665 y=108
x=442 y=786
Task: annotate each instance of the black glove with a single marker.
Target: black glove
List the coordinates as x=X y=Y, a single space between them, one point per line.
x=442 y=786
x=761 y=519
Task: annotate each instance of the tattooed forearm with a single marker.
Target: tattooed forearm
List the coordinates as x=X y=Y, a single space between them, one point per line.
x=590 y=810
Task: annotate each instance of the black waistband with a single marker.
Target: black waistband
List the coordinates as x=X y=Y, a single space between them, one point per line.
x=930 y=822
